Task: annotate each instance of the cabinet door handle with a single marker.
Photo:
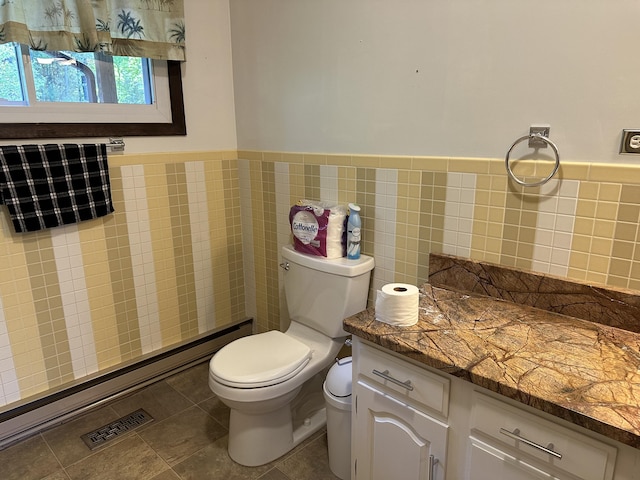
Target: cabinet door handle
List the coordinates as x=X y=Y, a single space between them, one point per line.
x=515 y=435
x=386 y=376
x=432 y=464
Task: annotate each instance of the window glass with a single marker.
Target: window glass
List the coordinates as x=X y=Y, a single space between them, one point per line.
x=11 y=84
x=90 y=77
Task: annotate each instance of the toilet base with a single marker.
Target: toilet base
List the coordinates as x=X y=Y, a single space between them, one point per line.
x=259 y=439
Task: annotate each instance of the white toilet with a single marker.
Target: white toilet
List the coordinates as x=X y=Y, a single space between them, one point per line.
x=272 y=381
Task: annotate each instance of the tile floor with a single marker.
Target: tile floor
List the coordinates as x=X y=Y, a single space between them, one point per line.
x=186 y=440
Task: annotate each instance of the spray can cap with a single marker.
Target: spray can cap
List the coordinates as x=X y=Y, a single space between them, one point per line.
x=354 y=207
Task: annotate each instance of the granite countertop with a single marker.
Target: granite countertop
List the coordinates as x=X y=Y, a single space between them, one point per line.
x=584 y=371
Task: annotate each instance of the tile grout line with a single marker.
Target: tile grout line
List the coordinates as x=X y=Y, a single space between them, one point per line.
x=208 y=405
x=64 y=470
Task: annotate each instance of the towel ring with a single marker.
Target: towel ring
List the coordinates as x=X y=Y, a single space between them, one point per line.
x=536 y=137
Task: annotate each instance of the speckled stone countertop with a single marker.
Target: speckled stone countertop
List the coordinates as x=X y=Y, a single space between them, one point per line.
x=584 y=371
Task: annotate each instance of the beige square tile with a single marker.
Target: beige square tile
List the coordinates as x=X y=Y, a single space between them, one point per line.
x=215 y=458
x=482 y=197
x=596 y=277
x=628 y=213
x=583 y=226
x=576 y=273
x=216 y=409
x=586 y=208
x=30 y=460
x=619 y=267
x=607 y=210
x=589 y=190
x=182 y=435
x=609 y=192
x=497 y=199
x=192 y=383
x=601 y=246
x=130 y=459
x=597 y=266
x=160 y=400
x=604 y=228
x=630 y=194
x=496 y=215
x=623 y=250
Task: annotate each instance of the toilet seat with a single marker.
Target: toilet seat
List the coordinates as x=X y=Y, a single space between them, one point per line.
x=260 y=360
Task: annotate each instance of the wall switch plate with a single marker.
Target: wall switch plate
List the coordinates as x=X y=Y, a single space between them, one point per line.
x=630 y=142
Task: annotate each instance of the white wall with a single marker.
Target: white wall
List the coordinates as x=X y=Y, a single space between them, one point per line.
x=207 y=80
x=460 y=78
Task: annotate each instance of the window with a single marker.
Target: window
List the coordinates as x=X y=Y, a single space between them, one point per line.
x=68 y=94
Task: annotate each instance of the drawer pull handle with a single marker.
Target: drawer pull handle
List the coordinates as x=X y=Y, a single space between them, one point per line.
x=516 y=436
x=386 y=376
x=432 y=464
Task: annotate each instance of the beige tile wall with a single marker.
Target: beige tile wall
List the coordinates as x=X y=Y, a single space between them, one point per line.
x=171 y=263
x=164 y=268
x=583 y=224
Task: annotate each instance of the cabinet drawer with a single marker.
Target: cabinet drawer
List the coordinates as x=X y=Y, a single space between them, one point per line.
x=579 y=455
x=410 y=382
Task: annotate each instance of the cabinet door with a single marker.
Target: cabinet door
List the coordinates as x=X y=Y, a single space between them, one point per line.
x=393 y=440
x=486 y=462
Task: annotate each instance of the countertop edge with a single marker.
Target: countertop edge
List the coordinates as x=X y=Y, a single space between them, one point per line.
x=390 y=342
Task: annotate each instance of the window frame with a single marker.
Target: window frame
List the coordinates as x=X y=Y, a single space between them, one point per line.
x=177 y=126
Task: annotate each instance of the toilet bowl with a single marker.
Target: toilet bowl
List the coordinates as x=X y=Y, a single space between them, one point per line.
x=272 y=382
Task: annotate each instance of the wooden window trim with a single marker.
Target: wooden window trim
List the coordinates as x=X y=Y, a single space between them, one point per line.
x=71 y=130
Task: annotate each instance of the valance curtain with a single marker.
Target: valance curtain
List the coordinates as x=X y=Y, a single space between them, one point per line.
x=133 y=28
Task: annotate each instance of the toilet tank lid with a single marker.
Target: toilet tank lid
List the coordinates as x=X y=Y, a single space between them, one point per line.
x=258 y=360
x=338 y=266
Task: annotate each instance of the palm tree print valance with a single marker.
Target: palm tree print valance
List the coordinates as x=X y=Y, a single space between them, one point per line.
x=133 y=28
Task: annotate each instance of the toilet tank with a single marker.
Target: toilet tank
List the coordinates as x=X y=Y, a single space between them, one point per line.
x=320 y=293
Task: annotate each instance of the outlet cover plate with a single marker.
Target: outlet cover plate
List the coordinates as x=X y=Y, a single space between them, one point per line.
x=630 y=142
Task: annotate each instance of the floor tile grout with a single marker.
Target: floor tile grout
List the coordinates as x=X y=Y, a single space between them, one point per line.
x=53 y=453
x=177 y=402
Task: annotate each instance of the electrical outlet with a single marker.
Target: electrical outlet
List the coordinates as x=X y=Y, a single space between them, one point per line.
x=630 y=141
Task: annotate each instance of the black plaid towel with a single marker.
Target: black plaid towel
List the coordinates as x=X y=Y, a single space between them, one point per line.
x=45 y=186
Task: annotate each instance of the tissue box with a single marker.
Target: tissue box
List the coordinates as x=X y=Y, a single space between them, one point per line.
x=319 y=228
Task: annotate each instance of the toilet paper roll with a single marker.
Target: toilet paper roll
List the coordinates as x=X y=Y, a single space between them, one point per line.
x=397 y=304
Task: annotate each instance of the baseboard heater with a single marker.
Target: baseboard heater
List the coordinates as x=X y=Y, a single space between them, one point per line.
x=34 y=415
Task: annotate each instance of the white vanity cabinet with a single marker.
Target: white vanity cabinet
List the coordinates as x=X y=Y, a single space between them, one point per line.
x=414 y=422
x=399 y=428
x=507 y=443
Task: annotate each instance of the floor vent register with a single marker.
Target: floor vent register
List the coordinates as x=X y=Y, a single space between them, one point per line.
x=102 y=435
